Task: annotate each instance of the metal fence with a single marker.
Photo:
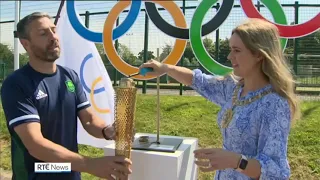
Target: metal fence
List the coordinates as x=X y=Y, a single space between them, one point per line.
x=140 y=43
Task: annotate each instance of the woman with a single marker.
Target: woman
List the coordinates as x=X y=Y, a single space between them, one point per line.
x=257 y=105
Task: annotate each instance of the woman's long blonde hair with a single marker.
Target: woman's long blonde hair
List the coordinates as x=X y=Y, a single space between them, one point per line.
x=260 y=36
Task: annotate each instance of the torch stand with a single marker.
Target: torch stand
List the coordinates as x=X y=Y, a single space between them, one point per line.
x=157 y=144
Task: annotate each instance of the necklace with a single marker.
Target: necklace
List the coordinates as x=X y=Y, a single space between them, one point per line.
x=228 y=115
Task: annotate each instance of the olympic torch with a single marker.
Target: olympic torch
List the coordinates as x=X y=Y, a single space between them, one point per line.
x=125 y=107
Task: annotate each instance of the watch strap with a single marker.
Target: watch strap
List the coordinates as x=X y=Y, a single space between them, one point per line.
x=104 y=134
x=242 y=163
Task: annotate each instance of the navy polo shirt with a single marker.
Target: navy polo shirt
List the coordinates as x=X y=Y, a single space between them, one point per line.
x=53 y=100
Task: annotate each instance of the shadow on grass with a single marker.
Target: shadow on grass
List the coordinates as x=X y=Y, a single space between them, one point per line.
x=307 y=112
x=171 y=108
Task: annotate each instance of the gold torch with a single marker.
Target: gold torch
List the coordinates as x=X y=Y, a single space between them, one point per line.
x=125 y=107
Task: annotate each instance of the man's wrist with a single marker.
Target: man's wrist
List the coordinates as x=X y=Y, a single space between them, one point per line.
x=108 y=132
x=85 y=164
x=104 y=133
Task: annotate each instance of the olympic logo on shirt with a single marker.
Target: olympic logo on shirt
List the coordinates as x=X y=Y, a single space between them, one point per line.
x=180 y=30
x=92 y=91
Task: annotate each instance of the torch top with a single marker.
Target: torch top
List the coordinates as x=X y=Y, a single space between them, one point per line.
x=127 y=83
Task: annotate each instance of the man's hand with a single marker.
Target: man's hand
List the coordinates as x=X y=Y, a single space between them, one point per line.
x=109 y=167
x=110 y=132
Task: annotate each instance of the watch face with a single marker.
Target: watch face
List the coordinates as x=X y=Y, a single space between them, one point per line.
x=243 y=164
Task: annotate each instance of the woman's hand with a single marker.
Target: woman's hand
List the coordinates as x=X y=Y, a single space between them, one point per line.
x=181 y=74
x=216 y=159
x=158 y=67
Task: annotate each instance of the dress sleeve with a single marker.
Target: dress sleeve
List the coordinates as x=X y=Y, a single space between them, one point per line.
x=273 y=140
x=17 y=105
x=214 y=88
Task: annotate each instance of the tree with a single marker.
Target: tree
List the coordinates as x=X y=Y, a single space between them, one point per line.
x=6 y=56
x=100 y=48
x=186 y=62
x=103 y=56
x=224 y=51
x=310 y=44
x=125 y=53
x=23 y=59
x=194 y=62
x=188 y=53
x=210 y=46
x=149 y=55
x=166 y=50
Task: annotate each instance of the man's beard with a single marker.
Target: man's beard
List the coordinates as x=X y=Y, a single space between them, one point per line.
x=46 y=54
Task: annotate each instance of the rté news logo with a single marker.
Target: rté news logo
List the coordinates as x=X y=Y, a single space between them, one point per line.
x=52 y=167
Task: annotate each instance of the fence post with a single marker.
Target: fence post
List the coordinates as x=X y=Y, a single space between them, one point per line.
x=87 y=19
x=296 y=40
x=182 y=57
x=217 y=44
x=115 y=71
x=146 y=35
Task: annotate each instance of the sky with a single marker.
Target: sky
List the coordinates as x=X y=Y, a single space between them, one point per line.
x=134 y=38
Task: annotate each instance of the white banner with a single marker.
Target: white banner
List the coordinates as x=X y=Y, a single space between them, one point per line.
x=82 y=56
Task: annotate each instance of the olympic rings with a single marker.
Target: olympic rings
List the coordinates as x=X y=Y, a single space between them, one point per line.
x=89 y=56
x=196 y=42
x=182 y=33
x=93 y=86
x=94 y=83
x=288 y=31
x=112 y=54
x=97 y=37
x=279 y=16
x=200 y=52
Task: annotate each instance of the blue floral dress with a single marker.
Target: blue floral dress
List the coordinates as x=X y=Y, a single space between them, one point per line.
x=258 y=130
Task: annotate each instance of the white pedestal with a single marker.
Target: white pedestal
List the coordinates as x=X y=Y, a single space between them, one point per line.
x=152 y=165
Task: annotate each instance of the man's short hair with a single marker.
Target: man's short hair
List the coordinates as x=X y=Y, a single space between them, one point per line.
x=23 y=24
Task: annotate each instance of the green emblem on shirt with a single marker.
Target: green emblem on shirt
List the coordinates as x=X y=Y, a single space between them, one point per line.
x=70 y=86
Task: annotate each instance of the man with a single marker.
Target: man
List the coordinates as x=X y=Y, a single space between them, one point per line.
x=41 y=102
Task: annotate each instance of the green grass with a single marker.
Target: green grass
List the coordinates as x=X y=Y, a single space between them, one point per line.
x=194 y=116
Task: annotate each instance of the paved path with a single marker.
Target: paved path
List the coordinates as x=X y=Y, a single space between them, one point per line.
x=194 y=93
x=170 y=92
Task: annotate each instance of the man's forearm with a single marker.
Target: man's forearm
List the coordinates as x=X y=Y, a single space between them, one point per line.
x=92 y=123
x=94 y=127
x=48 y=151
